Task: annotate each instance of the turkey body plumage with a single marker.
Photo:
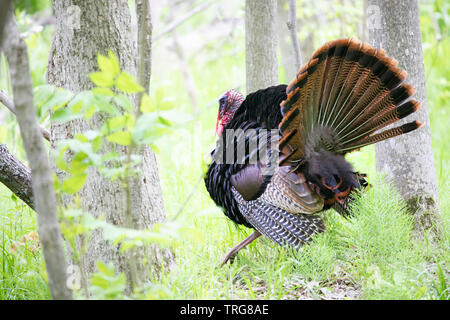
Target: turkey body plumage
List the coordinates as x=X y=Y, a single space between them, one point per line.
x=294 y=162
x=260 y=110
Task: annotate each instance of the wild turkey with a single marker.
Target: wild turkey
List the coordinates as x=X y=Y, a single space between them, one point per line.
x=338 y=102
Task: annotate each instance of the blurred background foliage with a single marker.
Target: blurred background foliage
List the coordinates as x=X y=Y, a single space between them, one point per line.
x=192 y=66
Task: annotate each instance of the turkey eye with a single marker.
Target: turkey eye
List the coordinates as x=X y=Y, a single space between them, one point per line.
x=223 y=102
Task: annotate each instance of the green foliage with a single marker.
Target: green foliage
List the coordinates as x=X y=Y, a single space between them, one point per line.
x=105 y=285
x=20 y=255
x=32 y=6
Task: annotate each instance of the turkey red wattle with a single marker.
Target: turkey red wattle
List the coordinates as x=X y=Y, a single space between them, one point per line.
x=229 y=103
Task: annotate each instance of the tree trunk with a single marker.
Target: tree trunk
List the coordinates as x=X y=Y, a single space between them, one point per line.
x=260 y=44
x=4 y=10
x=45 y=202
x=292 y=26
x=84 y=29
x=408 y=159
x=287 y=54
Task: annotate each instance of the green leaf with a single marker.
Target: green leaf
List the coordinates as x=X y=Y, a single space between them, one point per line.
x=85 y=98
x=63 y=115
x=108 y=64
x=77 y=146
x=90 y=112
x=116 y=123
x=125 y=82
x=78 y=165
x=76 y=108
x=42 y=94
x=164 y=121
x=103 y=91
x=102 y=79
x=61 y=161
x=102 y=268
x=121 y=137
x=81 y=137
x=97 y=143
x=149 y=127
x=147 y=104
x=59 y=99
x=74 y=183
x=114 y=62
x=130 y=120
x=56 y=183
x=123 y=102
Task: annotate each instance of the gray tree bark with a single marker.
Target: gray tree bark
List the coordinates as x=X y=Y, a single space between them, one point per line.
x=84 y=29
x=260 y=44
x=4 y=10
x=408 y=159
x=144 y=44
x=50 y=237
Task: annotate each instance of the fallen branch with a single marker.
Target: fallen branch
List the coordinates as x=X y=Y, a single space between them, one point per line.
x=16 y=176
x=292 y=26
x=9 y=104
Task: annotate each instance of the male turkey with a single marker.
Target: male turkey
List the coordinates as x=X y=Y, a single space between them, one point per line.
x=338 y=102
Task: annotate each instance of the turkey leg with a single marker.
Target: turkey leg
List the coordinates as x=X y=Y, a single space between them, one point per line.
x=233 y=251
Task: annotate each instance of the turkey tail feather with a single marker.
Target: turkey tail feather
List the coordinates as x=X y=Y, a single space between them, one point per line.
x=339 y=102
x=345 y=94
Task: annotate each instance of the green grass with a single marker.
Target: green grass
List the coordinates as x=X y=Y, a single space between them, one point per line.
x=372 y=255
x=21 y=265
x=369 y=256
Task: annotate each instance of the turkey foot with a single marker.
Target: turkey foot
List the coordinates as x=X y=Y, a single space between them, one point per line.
x=233 y=251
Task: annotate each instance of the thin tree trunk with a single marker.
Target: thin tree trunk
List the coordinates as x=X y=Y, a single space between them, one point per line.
x=44 y=196
x=260 y=44
x=292 y=26
x=103 y=26
x=287 y=54
x=408 y=159
x=4 y=10
x=144 y=44
x=189 y=80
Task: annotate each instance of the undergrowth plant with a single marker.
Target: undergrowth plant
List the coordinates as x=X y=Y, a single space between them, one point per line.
x=125 y=128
